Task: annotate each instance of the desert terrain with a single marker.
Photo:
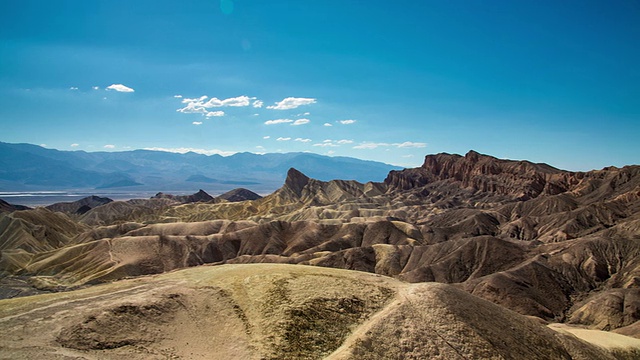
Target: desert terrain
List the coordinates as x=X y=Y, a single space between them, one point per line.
x=464 y=257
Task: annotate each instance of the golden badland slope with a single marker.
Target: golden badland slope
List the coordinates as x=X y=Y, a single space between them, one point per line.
x=268 y=311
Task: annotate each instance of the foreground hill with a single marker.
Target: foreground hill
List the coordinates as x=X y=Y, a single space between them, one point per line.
x=561 y=246
x=279 y=312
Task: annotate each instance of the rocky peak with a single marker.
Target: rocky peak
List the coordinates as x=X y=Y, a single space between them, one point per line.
x=200 y=196
x=296 y=181
x=520 y=179
x=239 y=194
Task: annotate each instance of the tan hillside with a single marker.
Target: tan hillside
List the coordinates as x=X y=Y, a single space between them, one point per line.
x=276 y=312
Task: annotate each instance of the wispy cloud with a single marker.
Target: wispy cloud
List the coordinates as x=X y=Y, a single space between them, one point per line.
x=327 y=124
x=109 y=146
x=119 y=88
x=373 y=145
x=278 y=121
x=347 y=122
x=236 y=102
x=215 y=113
x=370 y=145
x=266 y=137
x=283 y=139
x=74 y=145
x=301 y=122
x=291 y=103
x=302 y=140
x=73 y=88
x=95 y=87
x=177 y=96
x=326 y=144
x=258 y=104
x=201 y=105
x=197 y=123
x=333 y=143
x=409 y=144
x=184 y=150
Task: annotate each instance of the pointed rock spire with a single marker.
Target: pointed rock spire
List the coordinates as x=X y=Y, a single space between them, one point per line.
x=296 y=181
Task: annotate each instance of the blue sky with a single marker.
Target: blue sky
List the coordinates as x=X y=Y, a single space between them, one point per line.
x=547 y=81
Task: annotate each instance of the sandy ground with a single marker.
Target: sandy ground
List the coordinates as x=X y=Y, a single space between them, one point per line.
x=605 y=339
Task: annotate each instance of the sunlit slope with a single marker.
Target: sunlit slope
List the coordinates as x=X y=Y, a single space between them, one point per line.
x=269 y=311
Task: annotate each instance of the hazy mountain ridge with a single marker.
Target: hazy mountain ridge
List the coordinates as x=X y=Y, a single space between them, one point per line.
x=538 y=240
x=26 y=166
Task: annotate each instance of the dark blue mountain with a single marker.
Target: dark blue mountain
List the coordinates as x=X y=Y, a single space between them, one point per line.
x=31 y=167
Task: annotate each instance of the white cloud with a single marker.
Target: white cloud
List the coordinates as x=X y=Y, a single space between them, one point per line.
x=409 y=144
x=215 y=113
x=258 y=104
x=95 y=87
x=201 y=105
x=291 y=103
x=236 y=102
x=43 y=145
x=326 y=144
x=266 y=137
x=333 y=143
x=370 y=145
x=197 y=123
x=74 y=145
x=347 y=122
x=200 y=99
x=73 y=88
x=302 y=140
x=193 y=108
x=301 y=122
x=327 y=124
x=109 y=146
x=278 y=121
x=197 y=151
x=177 y=96
x=260 y=147
x=283 y=139
x=119 y=88
x=330 y=152
x=406 y=144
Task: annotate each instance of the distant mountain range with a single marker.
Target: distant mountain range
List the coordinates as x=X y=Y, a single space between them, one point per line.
x=31 y=167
